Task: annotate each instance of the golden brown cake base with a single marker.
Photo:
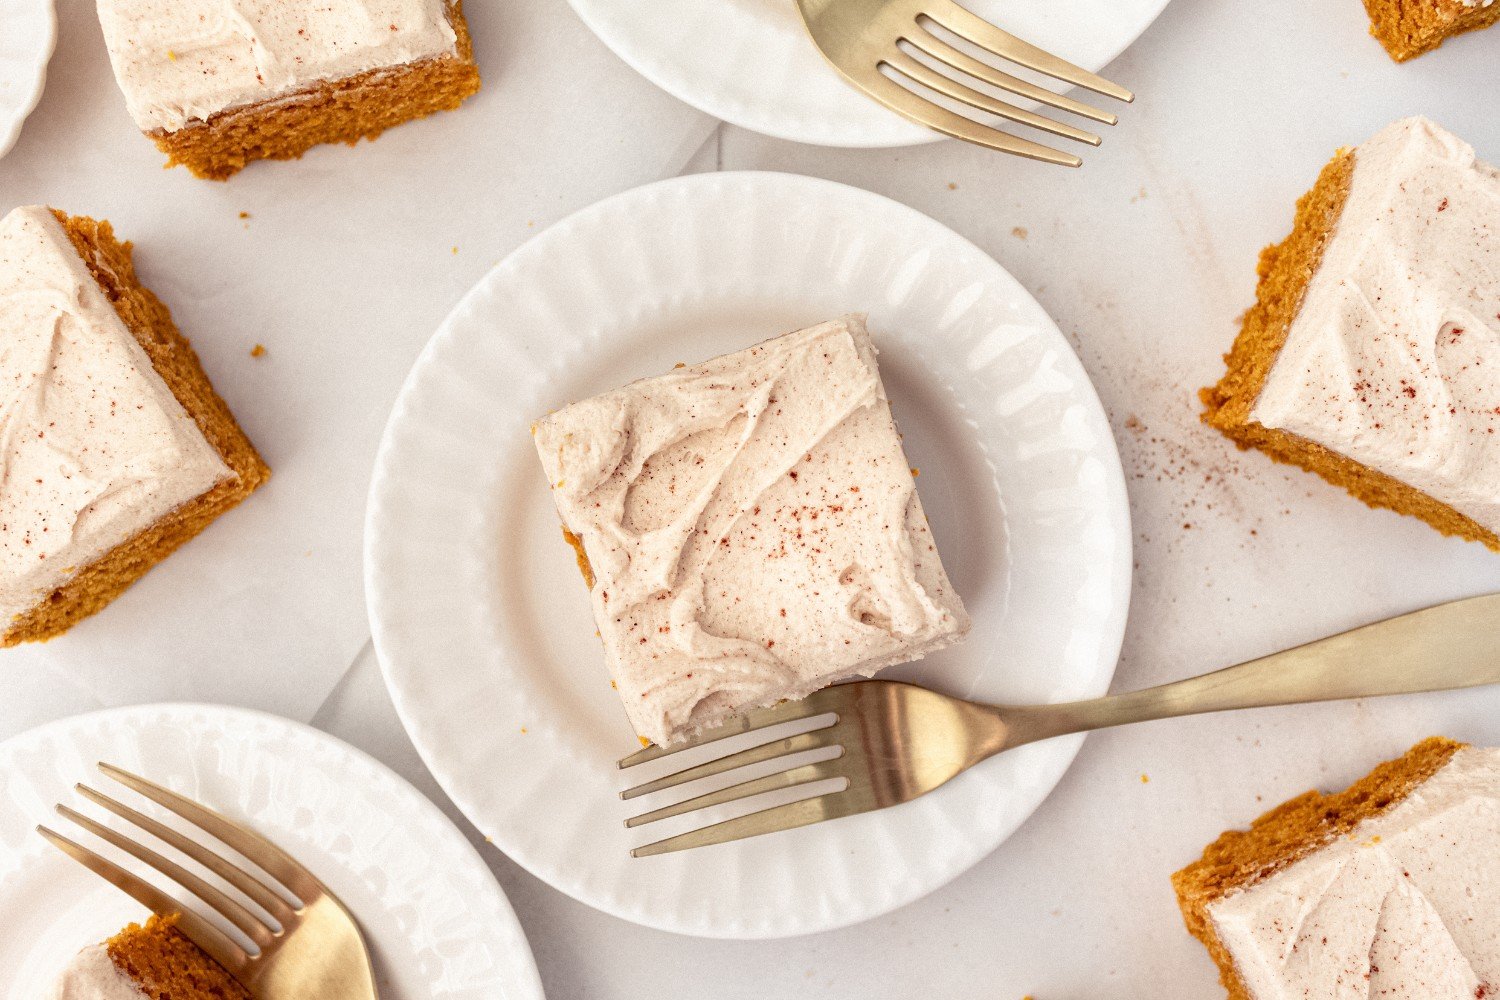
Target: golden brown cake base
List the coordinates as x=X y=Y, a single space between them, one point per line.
x=167 y=966
x=1285 y=270
x=148 y=319
x=1290 y=832
x=347 y=110
x=1408 y=28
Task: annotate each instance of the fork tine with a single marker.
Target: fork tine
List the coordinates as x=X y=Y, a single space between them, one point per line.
x=924 y=112
x=804 y=775
x=760 y=718
x=1007 y=46
x=199 y=931
x=926 y=76
x=754 y=755
x=270 y=858
x=243 y=881
x=790 y=816
x=216 y=900
x=965 y=63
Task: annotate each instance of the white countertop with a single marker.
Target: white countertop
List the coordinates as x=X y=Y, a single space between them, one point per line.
x=1145 y=257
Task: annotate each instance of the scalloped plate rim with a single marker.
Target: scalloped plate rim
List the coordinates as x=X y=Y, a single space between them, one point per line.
x=1064 y=749
x=10 y=131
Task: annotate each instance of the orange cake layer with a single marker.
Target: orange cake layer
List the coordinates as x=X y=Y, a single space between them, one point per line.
x=1289 y=833
x=167 y=966
x=1408 y=28
x=100 y=582
x=1285 y=271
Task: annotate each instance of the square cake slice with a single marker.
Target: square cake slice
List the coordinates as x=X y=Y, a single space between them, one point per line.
x=218 y=84
x=749 y=528
x=1408 y=28
x=1387 y=889
x=116 y=449
x=1371 y=354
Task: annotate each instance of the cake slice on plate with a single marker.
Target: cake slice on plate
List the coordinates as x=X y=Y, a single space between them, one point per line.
x=1372 y=354
x=217 y=85
x=1387 y=889
x=749 y=529
x=116 y=449
x=154 y=962
x=1407 y=28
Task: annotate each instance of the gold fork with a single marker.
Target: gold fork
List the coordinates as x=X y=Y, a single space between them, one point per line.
x=310 y=947
x=898 y=741
x=860 y=37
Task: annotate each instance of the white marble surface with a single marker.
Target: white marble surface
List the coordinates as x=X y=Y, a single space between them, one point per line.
x=1145 y=257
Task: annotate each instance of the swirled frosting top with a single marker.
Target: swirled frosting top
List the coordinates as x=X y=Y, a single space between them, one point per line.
x=185 y=60
x=753 y=526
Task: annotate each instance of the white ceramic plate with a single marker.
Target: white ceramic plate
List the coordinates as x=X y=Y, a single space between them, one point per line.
x=751 y=63
x=28 y=32
x=483 y=626
x=438 y=924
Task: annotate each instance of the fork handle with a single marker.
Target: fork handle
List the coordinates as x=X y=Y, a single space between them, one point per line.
x=1454 y=645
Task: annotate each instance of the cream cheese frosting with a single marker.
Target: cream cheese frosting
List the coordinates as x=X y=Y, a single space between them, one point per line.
x=94 y=447
x=1394 y=357
x=185 y=60
x=92 y=975
x=754 y=529
x=1403 y=908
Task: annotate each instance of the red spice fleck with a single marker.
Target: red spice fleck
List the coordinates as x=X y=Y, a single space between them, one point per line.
x=1443 y=205
x=793 y=473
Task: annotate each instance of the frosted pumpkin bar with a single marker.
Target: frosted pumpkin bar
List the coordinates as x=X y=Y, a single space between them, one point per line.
x=1386 y=889
x=1371 y=354
x=219 y=83
x=749 y=528
x=115 y=448
x=150 y=962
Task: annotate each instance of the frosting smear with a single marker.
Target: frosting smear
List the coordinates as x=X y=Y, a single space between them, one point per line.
x=93 y=975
